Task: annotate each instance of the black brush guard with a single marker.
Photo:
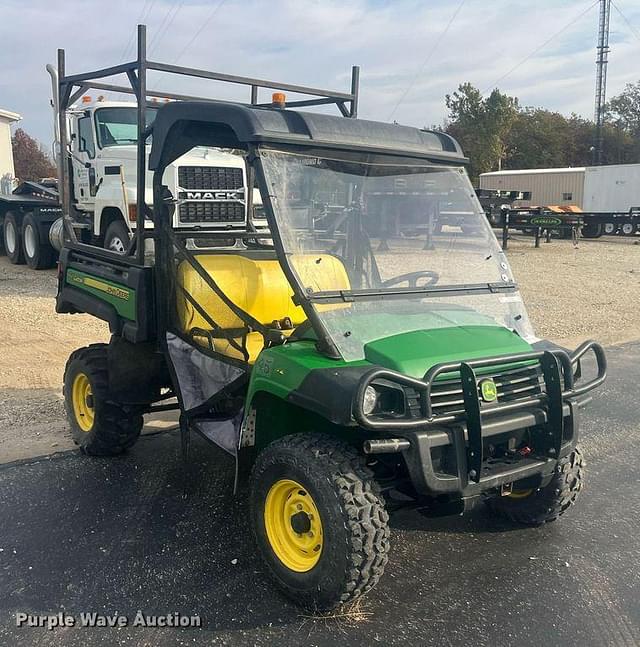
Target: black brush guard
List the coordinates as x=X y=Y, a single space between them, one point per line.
x=554 y=407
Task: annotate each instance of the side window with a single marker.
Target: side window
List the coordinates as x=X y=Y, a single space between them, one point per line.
x=567 y=196
x=85 y=137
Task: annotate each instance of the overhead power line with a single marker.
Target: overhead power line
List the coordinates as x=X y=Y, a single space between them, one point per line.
x=202 y=28
x=193 y=39
x=144 y=14
x=164 y=26
x=537 y=49
x=634 y=31
x=426 y=60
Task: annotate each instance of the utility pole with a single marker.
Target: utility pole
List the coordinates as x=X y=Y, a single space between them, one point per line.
x=601 y=78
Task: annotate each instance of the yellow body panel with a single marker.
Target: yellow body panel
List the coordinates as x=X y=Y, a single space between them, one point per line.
x=259 y=287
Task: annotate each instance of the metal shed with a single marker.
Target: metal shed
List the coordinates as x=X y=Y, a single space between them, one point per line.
x=542 y=187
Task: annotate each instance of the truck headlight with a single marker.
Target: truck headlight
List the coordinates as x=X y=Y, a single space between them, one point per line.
x=369 y=401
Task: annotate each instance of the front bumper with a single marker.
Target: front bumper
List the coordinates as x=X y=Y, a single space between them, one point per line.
x=465 y=438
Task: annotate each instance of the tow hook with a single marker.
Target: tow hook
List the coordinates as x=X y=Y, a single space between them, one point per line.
x=506 y=489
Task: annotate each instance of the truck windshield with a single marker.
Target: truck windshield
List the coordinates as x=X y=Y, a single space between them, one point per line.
x=118 y=126
x=383 y=246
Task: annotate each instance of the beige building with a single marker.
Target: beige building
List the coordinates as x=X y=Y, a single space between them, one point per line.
x=6 y=156
x=542 y=187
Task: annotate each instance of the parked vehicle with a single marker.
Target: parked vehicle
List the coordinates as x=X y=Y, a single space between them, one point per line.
x=608 y=196
x=26 y=219
x=345 y=378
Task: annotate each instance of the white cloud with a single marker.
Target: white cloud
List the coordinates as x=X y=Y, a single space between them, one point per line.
x=315 y=42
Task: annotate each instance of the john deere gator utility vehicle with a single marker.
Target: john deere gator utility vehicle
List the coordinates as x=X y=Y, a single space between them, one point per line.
x=350 y=360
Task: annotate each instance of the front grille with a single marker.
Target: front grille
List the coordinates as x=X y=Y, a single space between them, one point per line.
x=210 y=178
x=512 y=384
x=225 y=212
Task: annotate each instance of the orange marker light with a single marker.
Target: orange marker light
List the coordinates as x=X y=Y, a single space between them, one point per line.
x=279 y=99
x=86 y=99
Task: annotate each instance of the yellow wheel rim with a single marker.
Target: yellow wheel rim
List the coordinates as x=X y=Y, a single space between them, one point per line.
x=82 y=401
x=520 y=494
x=293 y=525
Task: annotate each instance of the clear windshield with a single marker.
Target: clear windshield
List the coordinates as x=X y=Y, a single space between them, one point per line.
x=384 y=247
x=119 y=126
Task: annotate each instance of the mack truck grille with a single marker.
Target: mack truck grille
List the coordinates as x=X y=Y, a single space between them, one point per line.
x=223 y=212
x=512 y=384
x=210 y=178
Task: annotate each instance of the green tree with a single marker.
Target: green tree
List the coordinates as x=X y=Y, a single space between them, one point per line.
x=481 y=125
x=623 y=110
x=30 y=161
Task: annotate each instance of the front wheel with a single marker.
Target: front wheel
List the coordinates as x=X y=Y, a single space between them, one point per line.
x=319 y=520
x=117 y=238
x=531 y=507
x=99 y=425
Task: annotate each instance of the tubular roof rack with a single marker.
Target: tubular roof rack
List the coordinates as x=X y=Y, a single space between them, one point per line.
x=72 y=87
x=347 y=102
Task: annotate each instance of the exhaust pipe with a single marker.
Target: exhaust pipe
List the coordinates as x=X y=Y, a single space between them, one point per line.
x=385 y=446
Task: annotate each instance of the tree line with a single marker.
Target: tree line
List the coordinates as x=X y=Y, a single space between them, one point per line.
x=495 y=132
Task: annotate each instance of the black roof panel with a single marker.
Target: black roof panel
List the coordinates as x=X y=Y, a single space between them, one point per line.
x=180 y=126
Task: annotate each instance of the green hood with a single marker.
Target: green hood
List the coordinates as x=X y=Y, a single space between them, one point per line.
x=414 y=353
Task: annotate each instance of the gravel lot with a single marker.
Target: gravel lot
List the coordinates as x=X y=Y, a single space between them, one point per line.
x=572 y=294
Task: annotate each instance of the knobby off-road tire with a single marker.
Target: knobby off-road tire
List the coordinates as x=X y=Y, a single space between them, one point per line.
x=100 y=426
x=330 y=481
x=547 y=503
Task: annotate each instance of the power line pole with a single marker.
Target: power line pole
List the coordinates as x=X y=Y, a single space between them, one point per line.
x=601 y=78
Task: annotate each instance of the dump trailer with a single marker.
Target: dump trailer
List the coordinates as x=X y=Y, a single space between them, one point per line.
x=346 y=379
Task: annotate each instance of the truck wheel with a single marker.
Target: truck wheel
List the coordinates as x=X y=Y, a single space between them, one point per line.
x=100 y=426
x=117 y=237
x=37 y=252
x=13 y=239
x=319 y=520
x=534 y=507
x=592 y=230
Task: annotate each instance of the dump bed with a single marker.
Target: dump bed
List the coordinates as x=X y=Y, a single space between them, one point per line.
x=112 y=289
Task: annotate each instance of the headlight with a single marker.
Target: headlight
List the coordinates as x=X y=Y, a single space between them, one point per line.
x=383 y=399
x=370 y=400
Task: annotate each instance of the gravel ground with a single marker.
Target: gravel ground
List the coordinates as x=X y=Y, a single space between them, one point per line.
x=590 y=292
x=571 y=294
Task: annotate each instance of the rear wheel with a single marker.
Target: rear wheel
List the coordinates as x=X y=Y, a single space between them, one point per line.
x=13 y=239
x=100 y=426
x=319 y=520
x=37 y=252
x=117 y=238
x=592 y=230
x=533 y=507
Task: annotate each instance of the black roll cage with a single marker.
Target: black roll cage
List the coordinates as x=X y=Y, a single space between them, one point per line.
x=71 y=87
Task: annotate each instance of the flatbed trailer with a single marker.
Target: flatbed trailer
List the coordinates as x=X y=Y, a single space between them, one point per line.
x=26 y=219
x=570 y=221
x=611 y=223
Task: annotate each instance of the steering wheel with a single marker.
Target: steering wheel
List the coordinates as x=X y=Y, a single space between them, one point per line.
x=412 y=279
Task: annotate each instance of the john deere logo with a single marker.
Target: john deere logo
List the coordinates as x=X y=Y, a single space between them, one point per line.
x=546 y=220
x=488 y=390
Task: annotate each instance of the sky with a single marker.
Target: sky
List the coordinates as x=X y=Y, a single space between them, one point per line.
x=411 y=52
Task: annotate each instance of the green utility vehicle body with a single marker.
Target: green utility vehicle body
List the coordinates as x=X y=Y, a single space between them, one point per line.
x=352 y=358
